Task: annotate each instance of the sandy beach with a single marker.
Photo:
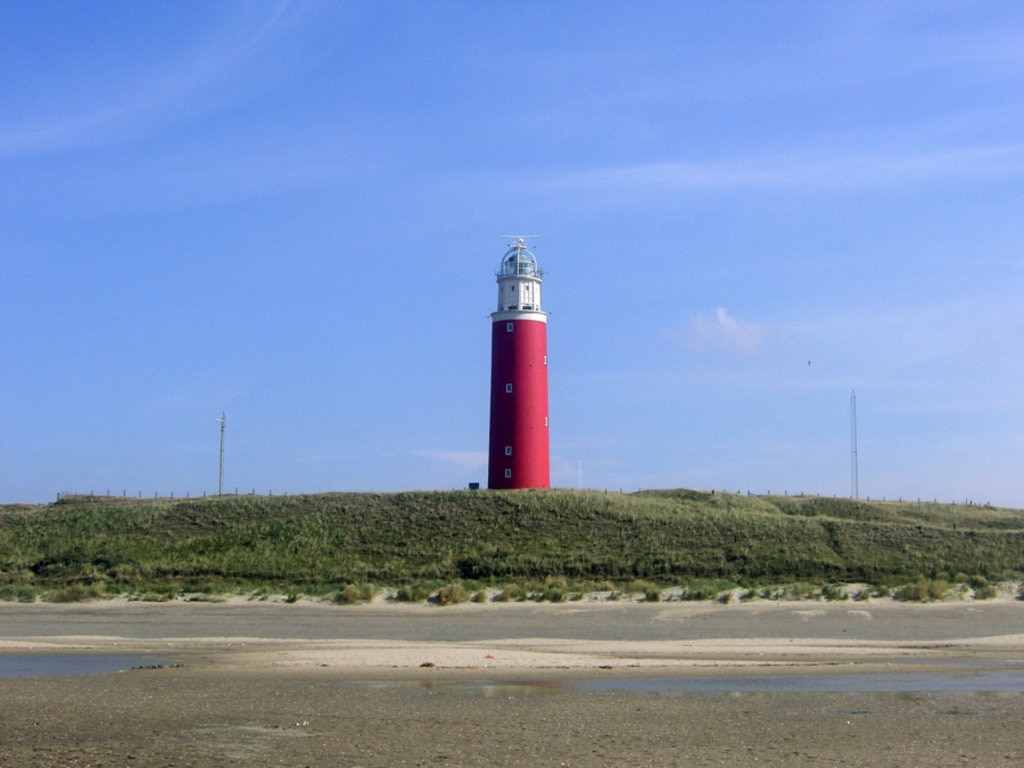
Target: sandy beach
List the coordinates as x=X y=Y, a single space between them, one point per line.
x=269 y=683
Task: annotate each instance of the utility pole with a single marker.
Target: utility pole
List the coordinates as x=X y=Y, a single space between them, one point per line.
x=220 y=477
x=854 y=469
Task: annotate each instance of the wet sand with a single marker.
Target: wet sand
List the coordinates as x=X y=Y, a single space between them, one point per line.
x=264 y=684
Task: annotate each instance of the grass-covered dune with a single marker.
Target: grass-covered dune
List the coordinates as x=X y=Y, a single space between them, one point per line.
x=315 y=544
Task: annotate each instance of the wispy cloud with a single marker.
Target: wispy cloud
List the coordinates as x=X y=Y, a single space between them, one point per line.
x=853 y=170
x=720 y=332
x=469 y=460
x=158 y=95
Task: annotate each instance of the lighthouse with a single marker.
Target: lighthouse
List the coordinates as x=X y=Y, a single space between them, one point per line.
x=518 y=454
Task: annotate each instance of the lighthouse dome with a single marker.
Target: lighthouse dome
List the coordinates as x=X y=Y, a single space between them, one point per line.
x=518 y=261
x=519 y=280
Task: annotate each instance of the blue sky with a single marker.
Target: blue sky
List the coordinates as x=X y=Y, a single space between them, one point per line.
x=291 y=212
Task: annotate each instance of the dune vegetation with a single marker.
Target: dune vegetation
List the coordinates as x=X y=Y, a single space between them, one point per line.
x=542 y=544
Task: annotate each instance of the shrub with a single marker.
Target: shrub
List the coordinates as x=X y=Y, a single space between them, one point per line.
x=353 y=594
x=404 y=594
x=800 y=590
x=453 y=593
x=985 y=592
x=74 y=593
x=413 y=593
x=924 y=591
x=834 y=592
x=938 y=589
x=911 y=593
x=651 y=592
x=553 y=594
x=704 y=589
x=22 y=593
x=347 y=596
x=512 y=592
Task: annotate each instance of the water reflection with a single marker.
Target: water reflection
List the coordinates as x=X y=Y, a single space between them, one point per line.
x=966 y=678
x=999 y=681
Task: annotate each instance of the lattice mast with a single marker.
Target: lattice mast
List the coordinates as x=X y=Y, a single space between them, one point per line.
x=854 y=468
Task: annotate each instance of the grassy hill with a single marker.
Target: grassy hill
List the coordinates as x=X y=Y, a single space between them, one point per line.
x=318 y=544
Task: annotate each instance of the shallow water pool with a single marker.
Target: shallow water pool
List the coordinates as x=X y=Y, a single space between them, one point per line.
x=953 y=677
x=46 y=664
x=990 y=681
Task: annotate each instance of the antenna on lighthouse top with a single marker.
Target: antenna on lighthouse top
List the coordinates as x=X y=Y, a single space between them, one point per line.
x=519 y=240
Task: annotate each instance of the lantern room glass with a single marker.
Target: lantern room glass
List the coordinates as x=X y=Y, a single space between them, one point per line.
x=518 y=261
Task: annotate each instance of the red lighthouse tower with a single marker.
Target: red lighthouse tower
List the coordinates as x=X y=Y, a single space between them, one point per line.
x=519 y=446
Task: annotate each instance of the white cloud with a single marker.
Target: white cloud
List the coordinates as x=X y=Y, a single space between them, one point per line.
x=721 y=332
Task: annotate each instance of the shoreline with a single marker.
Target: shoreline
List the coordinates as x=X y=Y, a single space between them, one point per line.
x=521 y=639
x=271 y=684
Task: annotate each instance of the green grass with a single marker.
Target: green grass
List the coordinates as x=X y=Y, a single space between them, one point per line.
x=528 y=544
